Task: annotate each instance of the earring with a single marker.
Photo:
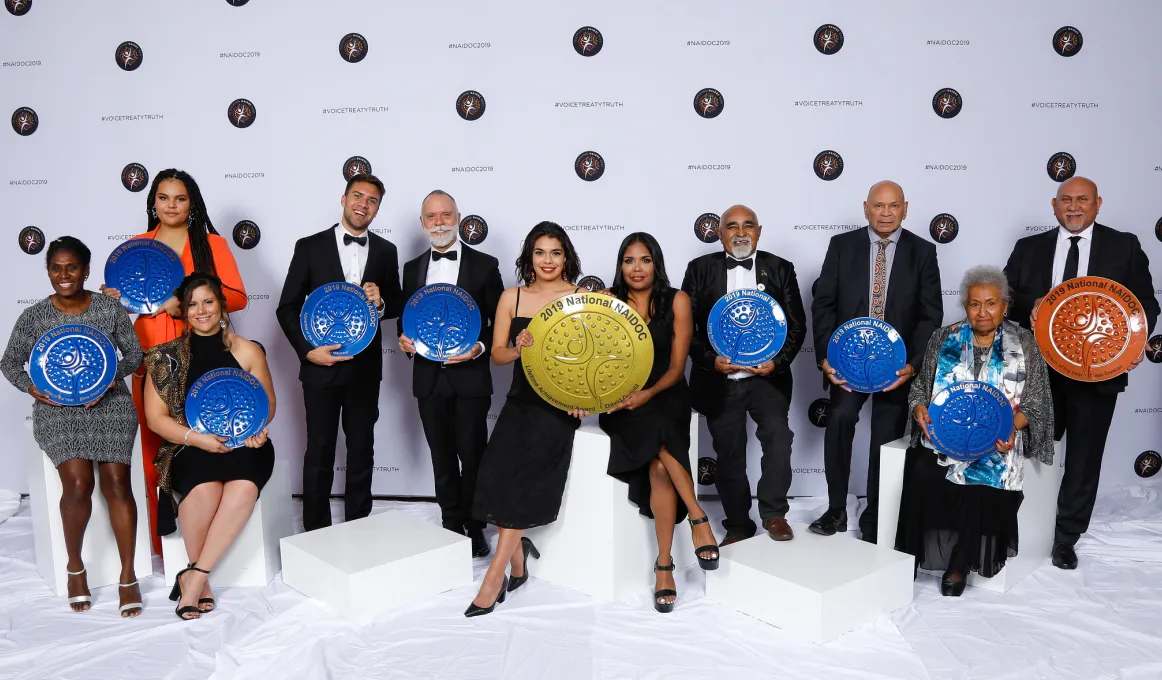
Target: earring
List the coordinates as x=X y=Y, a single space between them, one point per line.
x=533 y=277
x=222 y=324
x=153 y=213
x=190 y=221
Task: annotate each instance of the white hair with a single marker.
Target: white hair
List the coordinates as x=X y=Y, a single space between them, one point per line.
x=983 y=275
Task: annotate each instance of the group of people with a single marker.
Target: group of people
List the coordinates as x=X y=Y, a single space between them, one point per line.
x=956 y=516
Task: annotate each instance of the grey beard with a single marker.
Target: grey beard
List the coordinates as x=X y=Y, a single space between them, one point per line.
x=742 y=252
x=442 y=239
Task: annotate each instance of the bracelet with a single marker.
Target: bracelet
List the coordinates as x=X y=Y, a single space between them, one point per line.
x=186 y=439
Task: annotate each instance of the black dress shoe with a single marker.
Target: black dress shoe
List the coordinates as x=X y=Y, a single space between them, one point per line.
x=734 y=537
x=950 y=588
x=830 y=522
x=479 y=543
x=474 y=610
x=1064 y=557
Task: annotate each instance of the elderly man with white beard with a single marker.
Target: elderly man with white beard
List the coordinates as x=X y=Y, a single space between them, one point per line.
x=454 y=396
x=726 y=393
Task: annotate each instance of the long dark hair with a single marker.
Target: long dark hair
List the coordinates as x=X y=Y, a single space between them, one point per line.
x=620 y=289
x=525 y=273
x=185 y=294
x=198 y=225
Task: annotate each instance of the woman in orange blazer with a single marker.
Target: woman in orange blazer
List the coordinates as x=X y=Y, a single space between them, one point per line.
x=178 y=218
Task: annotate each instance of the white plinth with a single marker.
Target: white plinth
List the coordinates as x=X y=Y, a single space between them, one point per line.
x=600 y=544
x=1035 y=520
x=99 y=550
x=819 y=587
x=372 y=565
x=253 y=558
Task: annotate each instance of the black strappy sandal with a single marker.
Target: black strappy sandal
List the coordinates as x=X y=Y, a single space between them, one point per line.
x=707 y=563
x=204 y=600
x=664 y=607
x=176 y=594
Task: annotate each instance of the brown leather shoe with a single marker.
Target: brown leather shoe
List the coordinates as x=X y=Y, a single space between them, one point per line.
x=778 y=529
x=732 y=538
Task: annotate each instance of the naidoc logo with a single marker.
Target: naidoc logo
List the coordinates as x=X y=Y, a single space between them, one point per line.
x=828 y=39
x=707 y=467
x=819 y=412
x=31 y=240
x=242 y=113
x=708 y=102
x=587 y=41
x=470 y=105
x=236 y=3
x=18 y=8
x=473 y=230
x=1154 y=349
x=1158 y=229
x=246 y=234
x=947 y=103
x=1061 y=166
x=1067 y=41
x=591 y=283
x=356 y=165
x=134 y=177
x=128 y=55
x=590 y=166
x=1147 y=464
x=353 y=47
x=828 y=165
x=943 y=228
x=706 y=227
x=25 y=121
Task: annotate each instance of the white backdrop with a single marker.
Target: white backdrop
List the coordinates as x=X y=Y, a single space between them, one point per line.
x=632 y=102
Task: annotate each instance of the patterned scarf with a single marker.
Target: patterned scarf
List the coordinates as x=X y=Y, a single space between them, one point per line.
x=168 y=366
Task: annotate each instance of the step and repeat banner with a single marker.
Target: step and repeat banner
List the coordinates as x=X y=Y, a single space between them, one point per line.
x=606 y=117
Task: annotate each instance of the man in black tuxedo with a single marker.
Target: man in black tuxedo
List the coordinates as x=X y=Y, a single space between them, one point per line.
x=454 y=396
x=341 y=387
x=1084 y=410
x=888 y=273
x=726 y=393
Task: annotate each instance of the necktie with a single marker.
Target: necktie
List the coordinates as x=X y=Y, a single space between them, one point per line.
x=437 y=255
x=731 y=263
x=880 y=285
x=348 y=239
x=1071 y=259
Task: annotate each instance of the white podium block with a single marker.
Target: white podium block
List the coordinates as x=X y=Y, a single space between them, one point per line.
x=372 y=565
x=600 y=544
x=819 y=587
x=253 y=558
x=1035 y=520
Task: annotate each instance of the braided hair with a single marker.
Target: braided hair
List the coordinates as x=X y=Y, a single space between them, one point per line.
x=198 y=224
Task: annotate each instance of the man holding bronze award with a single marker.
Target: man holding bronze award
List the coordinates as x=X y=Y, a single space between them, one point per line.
x=1085 y=290
x=879 y=273
x=342 y=282
x=724 y=391
x=451 y=378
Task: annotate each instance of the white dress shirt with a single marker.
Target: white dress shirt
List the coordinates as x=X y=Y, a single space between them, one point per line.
x=738 y=279
x=447 y=271
x=353 y=258
x=1062 y=252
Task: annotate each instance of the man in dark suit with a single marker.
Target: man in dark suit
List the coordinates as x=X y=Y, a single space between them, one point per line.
x=887 y=273
x=454 y=396
x=1084 y=410
x=726 y=393
x=341 y=387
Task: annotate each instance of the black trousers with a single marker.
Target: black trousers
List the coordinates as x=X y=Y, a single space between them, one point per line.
x=457 y=432
x=768 y=408
x=1085 y=414
x=889 y=419
x=358 y=407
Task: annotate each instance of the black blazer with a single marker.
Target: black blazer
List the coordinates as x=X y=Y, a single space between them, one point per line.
x=705 y=283
x=914 y=306
x=315 y=263
x=1115 y=255
x=479 y=275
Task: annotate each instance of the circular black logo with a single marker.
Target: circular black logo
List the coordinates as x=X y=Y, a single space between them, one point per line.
x=706 y=469
x=947 y=103
x=237 y=3
x=590 y=166
x=819 y=412
x=128 y=55
x=31 y=240
x=1061 y=166
x=706 y=227
x=134 y=177
x=1147 y=464
x=470 y=105
x=25 y=121
x=1067 y=41
x=708 y=102
x=591 y=283
x=18 y=7
x=943 y=228
x=246 y=234
x=828 y=39
x=473 y=230
x=1158 y=229
x=587 y=41
x=1154 y=349
x=828 y=165
x=242 y=113
x=356 y=165
x=353 y=47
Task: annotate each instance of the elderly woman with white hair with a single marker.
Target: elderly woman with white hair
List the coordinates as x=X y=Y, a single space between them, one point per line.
x=958 y=516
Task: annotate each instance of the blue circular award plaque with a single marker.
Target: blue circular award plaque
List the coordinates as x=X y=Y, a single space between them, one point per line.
x=339 y=314
x=146 y=271
x=867 y=352
x=442 y=320
x=747 y=327
x=73 y=364
x=968 y=418
x=228 y=402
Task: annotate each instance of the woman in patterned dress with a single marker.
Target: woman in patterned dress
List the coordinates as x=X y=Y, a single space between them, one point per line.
x=74 y=437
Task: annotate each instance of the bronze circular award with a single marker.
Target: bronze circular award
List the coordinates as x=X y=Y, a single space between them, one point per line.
x=589 y=351
x=1090 y=328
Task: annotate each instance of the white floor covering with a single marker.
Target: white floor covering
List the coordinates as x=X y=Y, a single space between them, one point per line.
x=1103 y=620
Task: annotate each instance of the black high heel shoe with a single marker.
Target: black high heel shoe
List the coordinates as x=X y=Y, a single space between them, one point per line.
x=526 y=547
x=950 y=588
x=664 y=607
x=176 y=595
x=473 y=610
x=707 y=563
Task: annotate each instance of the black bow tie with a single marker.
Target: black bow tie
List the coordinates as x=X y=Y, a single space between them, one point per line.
x=437 y=255
x=348 y=239
x=731 y=263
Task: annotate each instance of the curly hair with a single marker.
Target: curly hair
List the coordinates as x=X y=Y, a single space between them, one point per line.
x=525 y=273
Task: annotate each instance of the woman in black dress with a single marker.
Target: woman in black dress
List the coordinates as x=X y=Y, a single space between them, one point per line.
x=523 y=470
x=649 y=430
x=217 y=492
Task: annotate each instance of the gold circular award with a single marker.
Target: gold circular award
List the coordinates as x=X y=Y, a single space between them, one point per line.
x=589 y=352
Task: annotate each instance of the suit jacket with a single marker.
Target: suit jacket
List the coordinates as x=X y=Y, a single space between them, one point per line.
x=914 y=306
x=1115 y=255
x=705 y=283
x=316 y=262
x=479 y=275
